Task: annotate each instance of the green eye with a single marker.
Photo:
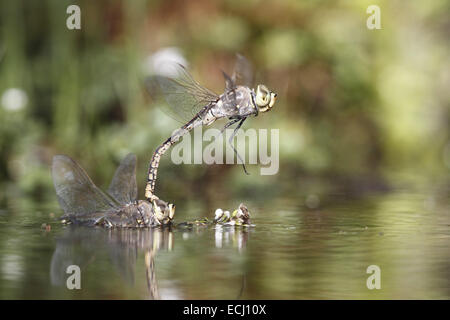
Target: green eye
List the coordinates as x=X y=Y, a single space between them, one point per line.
x=263 y=97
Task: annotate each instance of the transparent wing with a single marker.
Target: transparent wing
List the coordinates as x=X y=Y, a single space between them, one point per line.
x=123 y=186
x=242 y=75
x=185 y=97
x=243 y=71
x=230 y=82
x=76 y=192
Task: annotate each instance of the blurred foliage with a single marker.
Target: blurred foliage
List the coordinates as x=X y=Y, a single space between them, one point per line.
x=352 y=102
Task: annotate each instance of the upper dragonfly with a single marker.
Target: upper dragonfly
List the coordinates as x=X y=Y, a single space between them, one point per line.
x=196 y=105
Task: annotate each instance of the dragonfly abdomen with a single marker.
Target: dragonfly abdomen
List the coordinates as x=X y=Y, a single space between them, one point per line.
x=156 y=158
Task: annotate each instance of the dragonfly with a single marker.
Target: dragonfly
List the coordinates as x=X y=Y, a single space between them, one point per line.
x=193 y=104
x=84 y=203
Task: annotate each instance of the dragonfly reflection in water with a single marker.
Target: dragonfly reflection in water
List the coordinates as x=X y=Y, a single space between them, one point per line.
x=84 y=203
x=82 y=246
x=79 y=246
x=195 y=105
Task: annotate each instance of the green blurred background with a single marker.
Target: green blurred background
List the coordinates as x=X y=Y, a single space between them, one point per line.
x=363 y=117
x=355 y=108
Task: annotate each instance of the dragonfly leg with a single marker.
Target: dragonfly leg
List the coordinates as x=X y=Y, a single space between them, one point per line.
x=241 y=121
x=229 y=124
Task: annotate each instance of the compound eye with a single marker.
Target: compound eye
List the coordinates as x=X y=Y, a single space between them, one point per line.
x=263 y=91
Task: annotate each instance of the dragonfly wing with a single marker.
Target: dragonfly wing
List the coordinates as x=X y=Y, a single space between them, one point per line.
x=185 y=97
x=230 y=83
x=123 y=186
x=243 y=71
x=76 y=192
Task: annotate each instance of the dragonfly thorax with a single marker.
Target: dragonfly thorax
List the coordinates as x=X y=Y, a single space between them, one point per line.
x=237 y=102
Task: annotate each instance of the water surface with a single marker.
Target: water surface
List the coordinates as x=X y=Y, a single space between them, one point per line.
x=303 y=247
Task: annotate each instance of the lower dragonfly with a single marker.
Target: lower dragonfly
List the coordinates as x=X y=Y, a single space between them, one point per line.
x=196 y=105
x=84 y=203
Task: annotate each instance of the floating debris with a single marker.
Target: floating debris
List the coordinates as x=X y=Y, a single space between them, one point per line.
x=46 y=227
x=239 y=217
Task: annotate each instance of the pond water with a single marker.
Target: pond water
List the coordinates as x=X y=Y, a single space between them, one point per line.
x=320 y=250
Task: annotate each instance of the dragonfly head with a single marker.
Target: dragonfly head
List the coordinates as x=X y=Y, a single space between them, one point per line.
x=264 y=98
x=164 y=211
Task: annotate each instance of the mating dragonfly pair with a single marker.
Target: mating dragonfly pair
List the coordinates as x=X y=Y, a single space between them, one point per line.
x=188 y=101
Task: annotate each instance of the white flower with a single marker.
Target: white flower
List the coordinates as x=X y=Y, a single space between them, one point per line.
x=161 y=62
x=14 y=99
